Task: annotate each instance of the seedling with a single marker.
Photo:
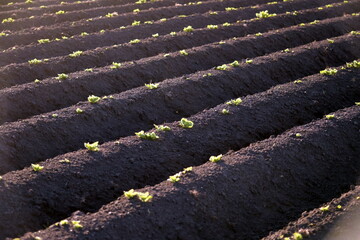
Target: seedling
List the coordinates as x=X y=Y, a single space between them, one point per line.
x=65 y=160
x=36 y=81
x=314 y=22
x=54 y=115
x=353 y=64
x=330 y=116
x=155 y=35
x=1 y=178
x=325 y=209
x=184 y=123
x=298 y=81
x=76 y=224
x=93 y=99
x=258 y=34
x=166 y=55
x=174 y=178
x=144 y=197
x=134 y=41
x=215 y=159
x=329 y=71
x=84 y=34
x=130 y=194
x=297 y=236
x=235 y=102
x=149 y=22
x=37 y=167
x=330 y=40
x=62 y=76
x=298 y=135
x=75 y=54
x=45 y=40
x=60 y=12
x=147 y=136
x=213 y=13
x=34 y=61
x=173 y=33
x=355 y=32
x=264 y=14
x=64 y=222
x=188 y=169
x=110 y=15
x=162 y=128
x=235 y=64
x=357 y=103
x=231 y=9
x=248 y=61
x=140 y=1
x=94 y=147
x=115 y=65
x=226 y=24
x=212 y=26
x=79 y=110
x=183 y=52
x=225 y=111
x=339 y=207
x=136 y=23
x=152 y=85
x=188 y=29
x=8 y=20
x=89 y=70
x=223 y=67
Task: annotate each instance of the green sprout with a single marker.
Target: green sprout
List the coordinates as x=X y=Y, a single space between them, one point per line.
x=353 y=64
x=184 y=123
x=298 y=135
x=64 y=160
x=62 y=76
x=115 y=65
x=225 y=111
x=357 y=103
x=144 y=197
x=134 y=41
x=54 y=115
x=213 y=13
x=264 y=14
x=231 y=9
x=235 y=64
x=325 y=209
x=166 y=55
x=140 y=1
x=8 y=20
x=34 y=61
x=222 y=67
x=162 y=128
x=44 y=40
x=188 y=29
x=314 y=22
x=355 y=32
x=329 y=71
x=330 y=116
x=330 y=40
x=84 y=34
x=152 y=85
x=173 y=33
x=94 y=147
x=76 y=224
x=130 y=194
x=147 y=136
x=226 y=24
x=37 y=167
x=88 y=70
x=135 y=23
x=93 y=99
x=212 y=26
x=298 y=81
x=297 y=236
x=339 y=207
x=215 y=159
x=248 y=61
x=79 y=110
x=235 y=102
x=183 y=52
x=188 y=169
x=75 y=54
x=174 y=178
x=36 y=81
x=64 y=222
x=155 y=35
x=60 y=12
x=110 y=15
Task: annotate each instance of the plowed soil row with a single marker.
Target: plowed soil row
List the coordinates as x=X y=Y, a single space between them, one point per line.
x=25 y=72
x=275 y=180
x=196 y=20
x=100 y=121
x=29 y=200
x=333 y=220
x=96 y=13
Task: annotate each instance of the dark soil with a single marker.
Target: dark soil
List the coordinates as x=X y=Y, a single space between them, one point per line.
x=275 y=180
x=29 y=200
x=335 y=223
x=145 y=30
x=103 y=123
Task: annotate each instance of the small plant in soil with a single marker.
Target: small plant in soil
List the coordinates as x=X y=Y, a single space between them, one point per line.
x=45 y=40
x=330 y=116
x=215 y=159
x=8 y=20
x=135 y=23
x=325 y=209
x=264 y=14
x=64 y=160
x=60 y=12
x=212 y=26
x=75 y=54
x=134 y=41
x=64 y=222
x=225 y=111
x=235 y=64
x=353 y=64
x=235 y=102
x=188 y=29
x=76 y=225
x=88 y=70
x=79 y=110
x=110 y=15
x=37 y=167
x=62 y=76
x=298 y=135
x=162 y=128
x=355 y=32
x=231 y=9
x=173 y=33
x=93 y=99
x=184 y=123
x=339 y=207
x=298 y=81
x=54 y=115
x=155 y=35
x=147 y=136
x=248 y=61
x=174 y=178
x=223 y=67
x=297 y=236
x=115 y=65
x=130 y=194
x=183 y=52
x=35 y=61
x=152 y=85
x=357 y=103
x=330 y=40
x=144 y=197
x=94 y=147
x=137 y=10
x=329 y=71
x=37 y=81
x=226 y=24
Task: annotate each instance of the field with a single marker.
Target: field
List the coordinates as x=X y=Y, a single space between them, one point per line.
x=172 y=119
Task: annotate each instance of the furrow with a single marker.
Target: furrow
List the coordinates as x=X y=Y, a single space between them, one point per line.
x=40 y=198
